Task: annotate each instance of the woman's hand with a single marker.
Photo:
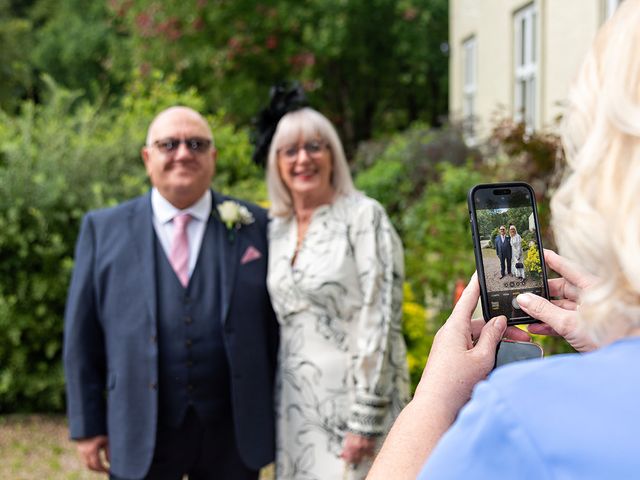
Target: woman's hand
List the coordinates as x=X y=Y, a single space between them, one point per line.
x=560 y=316
x=357 y=447
x=463 y=351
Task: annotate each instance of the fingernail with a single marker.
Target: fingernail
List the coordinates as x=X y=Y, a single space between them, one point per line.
x=500 y=323
x=524 y=299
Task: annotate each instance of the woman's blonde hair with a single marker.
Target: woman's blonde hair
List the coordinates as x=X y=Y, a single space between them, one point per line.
x=596 y=211
x=305 y=124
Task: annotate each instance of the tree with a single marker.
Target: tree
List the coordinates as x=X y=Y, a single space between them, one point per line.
x=370 y=65
x=15 y=70
x=75 y=42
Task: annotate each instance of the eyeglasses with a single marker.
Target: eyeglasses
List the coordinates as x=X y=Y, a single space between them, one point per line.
x=290 y=152
x=171 y=145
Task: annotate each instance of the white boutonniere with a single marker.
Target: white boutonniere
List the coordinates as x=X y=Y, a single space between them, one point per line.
x=234 y=216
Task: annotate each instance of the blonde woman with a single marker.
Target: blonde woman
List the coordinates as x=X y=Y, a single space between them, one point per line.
x=517 y=256
x=335 y=278
x=570 y=416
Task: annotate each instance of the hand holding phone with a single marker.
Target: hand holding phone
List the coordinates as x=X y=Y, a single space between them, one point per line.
x=561 y=317
x=508 y=248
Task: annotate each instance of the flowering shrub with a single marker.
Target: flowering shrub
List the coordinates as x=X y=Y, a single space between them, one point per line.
x=532 y=261
x=414 y=325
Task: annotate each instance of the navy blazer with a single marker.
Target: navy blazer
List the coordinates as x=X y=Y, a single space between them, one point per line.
x=110 y=347
x=503 y=250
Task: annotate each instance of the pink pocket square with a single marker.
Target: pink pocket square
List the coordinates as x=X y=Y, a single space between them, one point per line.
x=250 y=254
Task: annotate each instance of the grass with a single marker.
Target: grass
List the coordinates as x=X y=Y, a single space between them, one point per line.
x=37 y=447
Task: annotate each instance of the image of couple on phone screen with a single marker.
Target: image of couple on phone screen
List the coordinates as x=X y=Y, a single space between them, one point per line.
x=510 y=257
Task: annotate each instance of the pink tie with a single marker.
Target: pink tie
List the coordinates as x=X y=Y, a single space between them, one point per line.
x=179 y=257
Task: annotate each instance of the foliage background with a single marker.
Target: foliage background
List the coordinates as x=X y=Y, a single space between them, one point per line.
x=80 y=82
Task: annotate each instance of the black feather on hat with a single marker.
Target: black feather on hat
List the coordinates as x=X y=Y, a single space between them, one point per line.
x=284 y=97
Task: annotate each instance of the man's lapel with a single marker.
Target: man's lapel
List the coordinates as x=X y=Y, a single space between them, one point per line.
x=227 y=245
x=141 y=229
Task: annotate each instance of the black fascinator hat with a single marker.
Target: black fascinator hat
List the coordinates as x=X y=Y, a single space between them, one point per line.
x=284 y=97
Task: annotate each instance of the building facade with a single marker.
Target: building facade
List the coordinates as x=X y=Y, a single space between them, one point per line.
x=517 y=58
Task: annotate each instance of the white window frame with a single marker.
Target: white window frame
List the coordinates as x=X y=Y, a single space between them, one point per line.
x=469 y=87
x=525 y=65
x=610 y=7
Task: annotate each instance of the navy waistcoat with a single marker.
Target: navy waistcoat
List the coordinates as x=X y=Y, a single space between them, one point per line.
x=193 y=368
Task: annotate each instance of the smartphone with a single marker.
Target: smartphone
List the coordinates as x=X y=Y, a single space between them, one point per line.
x=508 y=248
x=510 y=351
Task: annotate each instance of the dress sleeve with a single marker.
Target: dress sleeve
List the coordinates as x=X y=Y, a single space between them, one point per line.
x=486 y=441
x=381 y=353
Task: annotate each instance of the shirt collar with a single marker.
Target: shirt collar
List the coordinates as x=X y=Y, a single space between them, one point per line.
x=164 y=211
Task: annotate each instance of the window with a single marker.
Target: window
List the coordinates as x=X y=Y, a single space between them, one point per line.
x=610 y=7
x=469 y=87
x=525 y=66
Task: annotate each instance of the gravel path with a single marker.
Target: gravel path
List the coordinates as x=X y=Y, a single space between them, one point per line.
x=491 y=264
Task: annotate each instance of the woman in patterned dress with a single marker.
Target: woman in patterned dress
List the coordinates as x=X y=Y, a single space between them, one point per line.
x=335 y=278
x=517 y=256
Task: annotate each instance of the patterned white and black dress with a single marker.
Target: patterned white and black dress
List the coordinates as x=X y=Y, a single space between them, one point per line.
x=342 y=360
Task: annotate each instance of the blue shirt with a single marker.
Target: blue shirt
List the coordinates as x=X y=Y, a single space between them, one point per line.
x=566 y=417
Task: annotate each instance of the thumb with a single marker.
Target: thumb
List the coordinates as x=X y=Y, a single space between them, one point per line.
x=490 y=336
x=541 y=309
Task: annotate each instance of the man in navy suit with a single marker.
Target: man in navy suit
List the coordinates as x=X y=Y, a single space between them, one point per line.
x=170 y=339
x=503 y=250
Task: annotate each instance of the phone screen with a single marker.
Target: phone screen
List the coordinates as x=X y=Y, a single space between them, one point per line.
x=508 y=248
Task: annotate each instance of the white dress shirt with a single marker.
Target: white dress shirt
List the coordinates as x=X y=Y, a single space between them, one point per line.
x=163 y=214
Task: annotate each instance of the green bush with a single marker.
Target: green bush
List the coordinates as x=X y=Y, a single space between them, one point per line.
x=437 y=235
x=494 y=233
x=45 y=185
x=396 y=171
x=386 y=176
x=387 y=182
x=527 y=237
x=58 y=160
